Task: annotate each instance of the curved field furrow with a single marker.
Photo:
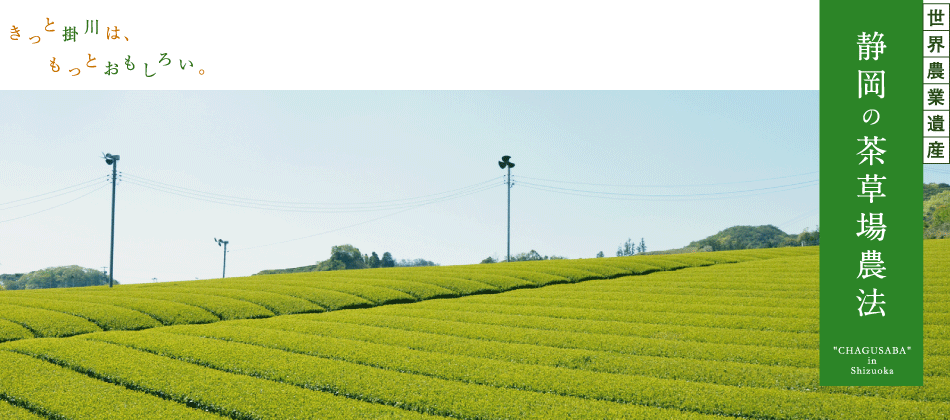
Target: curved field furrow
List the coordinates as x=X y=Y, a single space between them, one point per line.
x=12 y=331
x=60 y=393
x=168 y=313
x=374 y=294
x=479 y=361
x=554 y=393
x=414 y=392
x=271 y=301
x=694 y=319
x=458 y=285
x=700 y=307
x=331 y=300
x=699 y=334
x=220 y=306
x=618 y=344
x=45 y=323
x=653 y=297
x=416 y=289
x=645 y=286
x=345 y=341
x=498 y=282
x=107 y=317
x=505 y=270
x=9 y=411
x=631 y=265
x=196 y=386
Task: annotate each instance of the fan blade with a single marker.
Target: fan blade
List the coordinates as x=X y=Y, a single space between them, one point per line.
x=501 y=165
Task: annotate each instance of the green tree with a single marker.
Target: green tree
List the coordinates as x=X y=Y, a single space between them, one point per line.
x=642 y=247
x=330 y=265
x=387 y=260
x=528 y=256
x=54 y=277
x=933 y=189
x=374 y=261
x=807 y=236
x=488 y=260
x=10 y=281
x=349 y=255
x=418 y=262
x=626 y=249
x=600 y=254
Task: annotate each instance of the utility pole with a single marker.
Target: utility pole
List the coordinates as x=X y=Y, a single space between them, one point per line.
x=225 y=243
x=112 y=160
x=504 y=163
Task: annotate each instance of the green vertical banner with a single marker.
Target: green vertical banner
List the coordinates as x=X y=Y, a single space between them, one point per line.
x=872 y=98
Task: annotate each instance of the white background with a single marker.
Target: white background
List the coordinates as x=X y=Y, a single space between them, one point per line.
x=418 y=44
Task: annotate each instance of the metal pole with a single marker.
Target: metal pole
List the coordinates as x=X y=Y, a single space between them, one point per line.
x=112 y=244
x=509 y=214
x=225 y=259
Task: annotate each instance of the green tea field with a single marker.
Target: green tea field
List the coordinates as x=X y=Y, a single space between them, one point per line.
x=690 y=336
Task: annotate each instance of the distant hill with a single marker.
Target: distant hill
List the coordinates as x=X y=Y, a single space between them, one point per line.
x=748 y=237
x=745 y=237
x=936 y=225
x=933 y=189
x=936 y=211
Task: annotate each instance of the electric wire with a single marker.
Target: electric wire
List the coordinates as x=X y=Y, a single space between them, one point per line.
x=252 y=201
x=72 y=188
x=403 y=205
x=360 y=223
x=798 y=217
x=664 y=186
x=668 y=198
x=361 y=209
x=58 y=205
x=554 y=189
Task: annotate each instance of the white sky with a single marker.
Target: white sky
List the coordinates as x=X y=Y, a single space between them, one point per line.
x=375 y=147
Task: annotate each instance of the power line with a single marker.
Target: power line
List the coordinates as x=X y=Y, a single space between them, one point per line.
x=360 y=209
x=664 y=195
x=798 y=217
x=222 y=198
x=365 y=221
x=51 y=192
x=58 y=205
x=592 y=194
x=665 y=186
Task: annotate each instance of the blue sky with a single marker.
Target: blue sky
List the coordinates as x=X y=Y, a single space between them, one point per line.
x=593 y=169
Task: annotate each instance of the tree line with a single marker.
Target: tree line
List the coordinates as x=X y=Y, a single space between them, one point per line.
x=524 y=256
x=55 y=277
x=349 y=257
